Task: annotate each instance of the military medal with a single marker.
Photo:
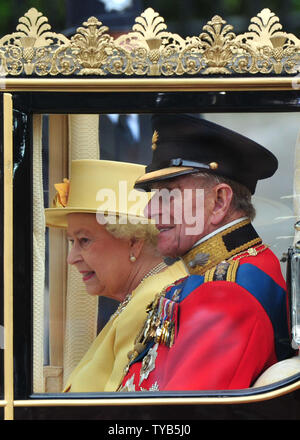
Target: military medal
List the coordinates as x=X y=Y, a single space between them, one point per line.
x=129 y=385
x=176 y=295
x=148 y=363
x=166 y=319
x=159 y=327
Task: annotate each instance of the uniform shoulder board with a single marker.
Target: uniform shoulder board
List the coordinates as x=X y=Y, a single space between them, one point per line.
x=224 y=271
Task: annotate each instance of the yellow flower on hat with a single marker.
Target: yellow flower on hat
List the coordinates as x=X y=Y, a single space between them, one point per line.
x=61 y=197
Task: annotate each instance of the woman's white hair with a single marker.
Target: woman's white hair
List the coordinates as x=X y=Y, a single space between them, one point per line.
x=140 y=231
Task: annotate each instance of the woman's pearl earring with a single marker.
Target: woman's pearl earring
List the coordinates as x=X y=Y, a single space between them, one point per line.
x=132 y=258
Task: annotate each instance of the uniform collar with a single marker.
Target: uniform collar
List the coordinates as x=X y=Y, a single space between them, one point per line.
x=222 y=244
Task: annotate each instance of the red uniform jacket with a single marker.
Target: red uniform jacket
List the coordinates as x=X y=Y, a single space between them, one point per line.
x=225 y=333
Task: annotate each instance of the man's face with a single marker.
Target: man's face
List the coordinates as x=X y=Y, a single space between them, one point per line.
x=181 y=209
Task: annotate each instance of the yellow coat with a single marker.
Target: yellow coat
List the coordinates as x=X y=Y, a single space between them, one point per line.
x=101 y=368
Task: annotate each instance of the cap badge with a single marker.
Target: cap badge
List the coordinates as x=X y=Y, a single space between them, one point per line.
x=213 y=165
x=154 y=140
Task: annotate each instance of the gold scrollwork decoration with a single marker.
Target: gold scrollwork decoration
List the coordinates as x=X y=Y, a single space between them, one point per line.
x=96 y=50
x=217 y=43
x=273 y=51
x=30 y=49
x=152 y=49
x=149 y=49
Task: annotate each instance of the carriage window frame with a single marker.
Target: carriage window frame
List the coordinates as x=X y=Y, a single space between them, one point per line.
x=27 y=95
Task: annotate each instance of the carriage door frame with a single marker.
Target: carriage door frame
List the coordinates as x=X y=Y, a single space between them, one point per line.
x=8 y=254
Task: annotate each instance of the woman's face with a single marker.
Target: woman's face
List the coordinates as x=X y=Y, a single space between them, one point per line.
x=102 y=259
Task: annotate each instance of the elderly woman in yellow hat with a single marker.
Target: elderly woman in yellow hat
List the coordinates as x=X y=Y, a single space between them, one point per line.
x=113 y=247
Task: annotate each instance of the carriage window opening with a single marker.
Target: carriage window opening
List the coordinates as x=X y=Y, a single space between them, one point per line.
x=72 y=318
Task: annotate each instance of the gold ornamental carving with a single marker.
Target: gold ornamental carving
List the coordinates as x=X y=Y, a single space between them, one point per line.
x=217 y=43
x=34 y=50
x=29 y=49
x=274 y=51
x=93 y=48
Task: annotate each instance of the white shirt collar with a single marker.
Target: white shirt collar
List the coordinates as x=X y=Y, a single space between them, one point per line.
x=219 y=230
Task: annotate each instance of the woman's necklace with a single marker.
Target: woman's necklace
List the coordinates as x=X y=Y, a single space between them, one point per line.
x=156 y=269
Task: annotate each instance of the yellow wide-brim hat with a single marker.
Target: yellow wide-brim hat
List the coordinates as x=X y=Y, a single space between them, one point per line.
x=101 y=187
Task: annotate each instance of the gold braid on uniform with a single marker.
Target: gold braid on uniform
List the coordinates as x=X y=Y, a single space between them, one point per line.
x=220 y=248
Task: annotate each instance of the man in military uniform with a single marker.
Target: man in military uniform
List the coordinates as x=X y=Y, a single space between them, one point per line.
x=225 y=323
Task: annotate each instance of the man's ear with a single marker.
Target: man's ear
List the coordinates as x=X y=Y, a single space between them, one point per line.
x=223 y=195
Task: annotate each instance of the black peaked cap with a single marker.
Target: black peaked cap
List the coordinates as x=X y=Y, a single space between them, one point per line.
x=183 y=144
